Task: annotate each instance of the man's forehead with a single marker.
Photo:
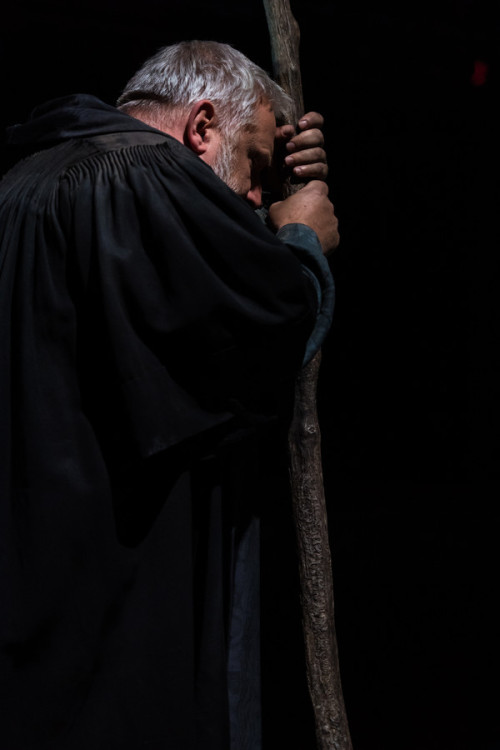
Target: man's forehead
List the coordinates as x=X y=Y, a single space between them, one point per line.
x=264 y=117
x=263 y=129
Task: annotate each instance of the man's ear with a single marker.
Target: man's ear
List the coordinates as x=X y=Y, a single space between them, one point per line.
x=200 y=130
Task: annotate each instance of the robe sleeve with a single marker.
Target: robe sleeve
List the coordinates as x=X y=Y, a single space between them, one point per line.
x=304 y=242
x=191 y=313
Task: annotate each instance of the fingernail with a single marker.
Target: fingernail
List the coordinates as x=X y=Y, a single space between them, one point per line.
x=289 y=160
x=302 y=123
x=290 y=146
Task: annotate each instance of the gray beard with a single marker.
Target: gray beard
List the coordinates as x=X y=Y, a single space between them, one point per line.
x=223 y=165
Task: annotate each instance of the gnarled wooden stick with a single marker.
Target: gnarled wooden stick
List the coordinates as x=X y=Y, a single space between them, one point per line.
x=309 y=507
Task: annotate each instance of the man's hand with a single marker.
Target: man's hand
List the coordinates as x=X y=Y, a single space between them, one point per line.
x=303 y=152
x=310 y=206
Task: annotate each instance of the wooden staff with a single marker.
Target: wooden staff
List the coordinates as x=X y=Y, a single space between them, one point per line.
x=308 y=496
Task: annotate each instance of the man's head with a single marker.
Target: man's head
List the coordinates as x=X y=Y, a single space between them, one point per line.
x=217 y=102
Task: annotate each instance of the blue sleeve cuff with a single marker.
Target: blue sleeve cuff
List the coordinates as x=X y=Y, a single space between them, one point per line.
x=304 y=243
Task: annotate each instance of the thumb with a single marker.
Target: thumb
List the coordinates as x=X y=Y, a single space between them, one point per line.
x=285 y=132
x=317 y=186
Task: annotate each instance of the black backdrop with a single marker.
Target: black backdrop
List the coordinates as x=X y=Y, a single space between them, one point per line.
x=408 y=394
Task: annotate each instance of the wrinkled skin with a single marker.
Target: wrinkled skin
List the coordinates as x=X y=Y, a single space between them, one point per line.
x=302 y=153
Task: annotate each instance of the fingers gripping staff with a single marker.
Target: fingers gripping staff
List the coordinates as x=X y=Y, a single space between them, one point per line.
x=304 y=153
x=323 y=675
x=310 y=206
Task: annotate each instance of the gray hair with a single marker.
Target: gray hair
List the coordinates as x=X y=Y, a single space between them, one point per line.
x=179 y=75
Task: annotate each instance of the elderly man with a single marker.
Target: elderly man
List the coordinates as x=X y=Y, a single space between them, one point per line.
x=151 y=325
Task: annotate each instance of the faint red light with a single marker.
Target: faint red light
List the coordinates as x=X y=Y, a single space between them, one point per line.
x=480 y=74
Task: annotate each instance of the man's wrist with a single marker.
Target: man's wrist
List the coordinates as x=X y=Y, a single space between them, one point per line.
x=301 y=235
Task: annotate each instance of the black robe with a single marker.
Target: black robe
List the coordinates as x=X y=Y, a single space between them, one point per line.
x=150 y=326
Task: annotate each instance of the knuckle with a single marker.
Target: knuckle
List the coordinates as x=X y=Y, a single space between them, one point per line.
x=315 y=138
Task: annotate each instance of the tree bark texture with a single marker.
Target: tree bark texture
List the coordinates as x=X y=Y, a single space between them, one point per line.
x=285 y=40
x=308 y=496
x=315 y=566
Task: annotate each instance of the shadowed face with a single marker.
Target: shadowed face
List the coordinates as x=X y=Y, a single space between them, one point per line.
x=240 y=159
x=242 y=162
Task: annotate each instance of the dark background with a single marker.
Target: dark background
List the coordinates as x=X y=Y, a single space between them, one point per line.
x=408 y=398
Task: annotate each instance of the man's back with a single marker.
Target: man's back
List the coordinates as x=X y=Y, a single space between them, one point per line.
x=148 y=321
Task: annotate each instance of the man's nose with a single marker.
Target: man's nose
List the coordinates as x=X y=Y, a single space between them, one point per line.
x=254 y=196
